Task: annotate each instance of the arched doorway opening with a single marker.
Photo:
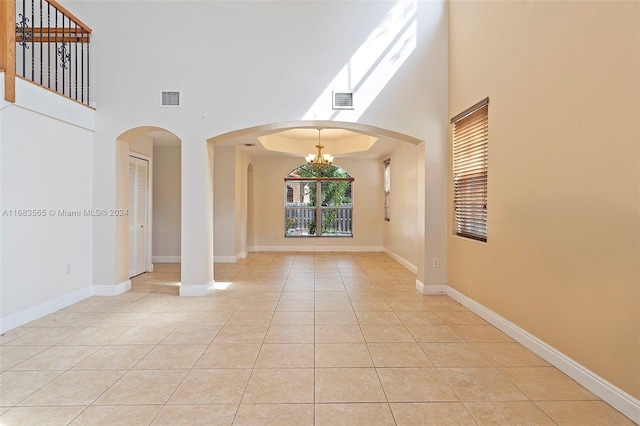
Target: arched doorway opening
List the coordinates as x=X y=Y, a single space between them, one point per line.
x=148 y=188
x=255 y=199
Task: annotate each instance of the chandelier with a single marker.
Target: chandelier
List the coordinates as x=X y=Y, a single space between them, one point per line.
x=319 y=161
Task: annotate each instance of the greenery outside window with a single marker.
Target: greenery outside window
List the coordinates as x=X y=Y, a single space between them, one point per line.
x=318 y=204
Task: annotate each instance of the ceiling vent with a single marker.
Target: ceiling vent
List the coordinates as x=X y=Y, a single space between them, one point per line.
x=249 y=145
x=170 y=98
x=342 y=100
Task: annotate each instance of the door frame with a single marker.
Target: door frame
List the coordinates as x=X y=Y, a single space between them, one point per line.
x=149 y=218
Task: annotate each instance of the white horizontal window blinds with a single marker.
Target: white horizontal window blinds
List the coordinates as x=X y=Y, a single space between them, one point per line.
x=470 y=161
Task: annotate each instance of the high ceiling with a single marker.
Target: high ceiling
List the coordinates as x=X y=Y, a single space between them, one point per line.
x=301 y=141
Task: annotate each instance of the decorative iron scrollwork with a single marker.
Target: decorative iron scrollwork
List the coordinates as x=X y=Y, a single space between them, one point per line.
x=65 y=55
x=22 y=28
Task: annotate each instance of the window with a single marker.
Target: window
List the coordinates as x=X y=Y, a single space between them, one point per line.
x=387 y=189
x=318 y=204
x=470 y=161
x=289 y=194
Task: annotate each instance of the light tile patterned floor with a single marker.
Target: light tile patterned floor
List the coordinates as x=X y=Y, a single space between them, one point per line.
x=286 y=339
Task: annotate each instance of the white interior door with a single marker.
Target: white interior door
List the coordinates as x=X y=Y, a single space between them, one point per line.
x=138 y=215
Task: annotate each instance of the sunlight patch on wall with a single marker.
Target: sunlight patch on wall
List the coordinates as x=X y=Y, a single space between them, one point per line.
x=372 y=66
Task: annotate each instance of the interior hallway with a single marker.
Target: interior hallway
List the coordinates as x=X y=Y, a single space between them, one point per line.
x=287 y=338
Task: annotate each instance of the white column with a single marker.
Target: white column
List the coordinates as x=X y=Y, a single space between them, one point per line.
x=197 y=217
x=110 y=269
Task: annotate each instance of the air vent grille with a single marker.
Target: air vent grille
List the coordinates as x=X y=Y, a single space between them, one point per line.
x=249 y=145
x=170 y=98
x=342 y=100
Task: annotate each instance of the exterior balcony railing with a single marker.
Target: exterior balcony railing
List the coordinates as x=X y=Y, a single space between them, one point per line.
x=336 y=221
x=44 y=43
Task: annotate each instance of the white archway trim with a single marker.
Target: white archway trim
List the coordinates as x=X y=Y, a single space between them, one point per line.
x=314 y=124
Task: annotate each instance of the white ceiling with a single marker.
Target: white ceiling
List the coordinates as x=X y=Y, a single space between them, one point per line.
x=338 y=142
x=301 y=141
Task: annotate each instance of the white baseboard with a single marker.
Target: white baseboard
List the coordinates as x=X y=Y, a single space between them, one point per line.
x=431 y=289
x=196 y=290
x=320 y=248
x=230 y=259
x=614 y=396
x=401 y=260
x=32 y=314
x=166 y=259
x=111 y=290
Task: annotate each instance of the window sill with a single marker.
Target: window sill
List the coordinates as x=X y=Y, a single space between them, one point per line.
x=318 y=236
x=471 y=240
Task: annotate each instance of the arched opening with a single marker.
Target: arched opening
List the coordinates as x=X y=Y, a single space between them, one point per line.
x=148 y=188
x=249 y=168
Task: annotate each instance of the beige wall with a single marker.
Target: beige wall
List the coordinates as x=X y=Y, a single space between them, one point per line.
x=142 y=144
x=166 y=203
x=234 y=235
x=241 y=161
x=401 y=232
x=251 y=238
x=224 y=203
x=563 y=251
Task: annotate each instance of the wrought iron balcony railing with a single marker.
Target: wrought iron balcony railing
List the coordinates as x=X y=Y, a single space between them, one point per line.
x=48 y=46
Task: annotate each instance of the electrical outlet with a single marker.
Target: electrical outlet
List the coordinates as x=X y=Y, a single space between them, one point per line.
x=435 y=262
x=68 y=270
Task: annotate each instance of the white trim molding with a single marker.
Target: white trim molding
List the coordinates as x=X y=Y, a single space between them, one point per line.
x=111 y=290
x=614 y=396
x=431 y=289
x=166 y=259
x=46 y=308
x=401 y=260
x=321 y=248
x=149 y=203
x=230 y=259
x=196 y=290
